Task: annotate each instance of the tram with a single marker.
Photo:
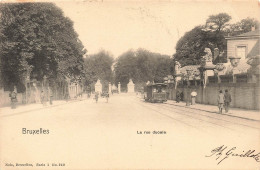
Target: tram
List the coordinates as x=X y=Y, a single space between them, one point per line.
x=155 y=92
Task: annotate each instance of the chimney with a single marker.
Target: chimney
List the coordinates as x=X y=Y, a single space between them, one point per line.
x=253 y=28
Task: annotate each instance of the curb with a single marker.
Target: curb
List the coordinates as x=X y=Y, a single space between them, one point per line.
x=224 y=114
x=50 y=106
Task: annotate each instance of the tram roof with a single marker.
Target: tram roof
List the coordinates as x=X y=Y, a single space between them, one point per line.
x=156 y=84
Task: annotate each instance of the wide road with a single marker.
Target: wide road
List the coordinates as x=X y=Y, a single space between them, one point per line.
x=89 y=135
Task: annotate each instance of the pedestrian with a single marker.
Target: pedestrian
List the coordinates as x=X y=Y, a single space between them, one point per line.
x=178 y=96
x=193 y=97
x=96 y=97
x=188 y=98
x=227 y=100
x=107 y=97
x=181 y=96
x=43 y=101
x=67 y=95
x=220 y=101
x=51 y=96
x=13 y=97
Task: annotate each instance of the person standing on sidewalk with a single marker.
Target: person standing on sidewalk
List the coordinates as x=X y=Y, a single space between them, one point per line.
x=178 y=96
x=13 y=97
x=51 y=96
x=193 y=97
x=66 y=96
x=220 y=101
x=96 y=97
x=107 y=97
x=227 y=100
x=43 y=99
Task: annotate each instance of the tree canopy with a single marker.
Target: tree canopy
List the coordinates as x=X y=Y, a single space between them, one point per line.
x=243 y=26
x=38 y=40
x=218 y=22
x=142 y=66
x=98 y=66
x=191 y=46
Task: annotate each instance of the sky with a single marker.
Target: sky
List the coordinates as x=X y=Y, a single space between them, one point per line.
x=117 y=26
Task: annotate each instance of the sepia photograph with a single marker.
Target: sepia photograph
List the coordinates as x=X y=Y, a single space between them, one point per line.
x=129 y=84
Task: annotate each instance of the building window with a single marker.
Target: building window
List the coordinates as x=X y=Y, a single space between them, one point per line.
x=241 y=52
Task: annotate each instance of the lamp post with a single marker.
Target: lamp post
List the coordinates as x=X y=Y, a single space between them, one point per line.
x=188 y=87
x=119 y=87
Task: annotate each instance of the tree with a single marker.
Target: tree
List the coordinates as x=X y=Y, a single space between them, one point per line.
x=37 y=40
x=191 y=46
x=163 y=68
x=218 y=22
x=126 y=67
x=243 y=26
x=98 y=66
x=142 y=66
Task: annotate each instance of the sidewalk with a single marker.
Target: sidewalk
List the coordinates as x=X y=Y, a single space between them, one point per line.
x=233 y=112
x=23 y=108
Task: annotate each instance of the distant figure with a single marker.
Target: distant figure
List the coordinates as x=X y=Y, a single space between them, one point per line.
x=220 y=101
x=66 y=96
x=13 y=97
x=43 y=101
x=178 y=97
x=51 y=96
x=96 y=97
x=181 y=96
x=80 y=95
x=107 y=97
x=227 y=100
x=193 y=97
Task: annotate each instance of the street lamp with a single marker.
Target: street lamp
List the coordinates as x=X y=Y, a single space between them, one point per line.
x=188 y=87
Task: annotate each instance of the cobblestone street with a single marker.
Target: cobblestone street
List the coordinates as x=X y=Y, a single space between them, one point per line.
x=83 y=133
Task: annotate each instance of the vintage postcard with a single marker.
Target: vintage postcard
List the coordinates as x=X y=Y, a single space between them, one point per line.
x=111 y=84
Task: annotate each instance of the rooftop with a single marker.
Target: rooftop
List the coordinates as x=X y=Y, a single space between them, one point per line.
x=251 y=34
x=255 y=50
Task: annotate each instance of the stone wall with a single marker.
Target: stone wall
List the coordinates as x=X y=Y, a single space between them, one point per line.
x=5 y=99
x=33 y=93
x=244 y=95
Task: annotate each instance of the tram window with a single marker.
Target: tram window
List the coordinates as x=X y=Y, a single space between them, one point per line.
x=159 y=89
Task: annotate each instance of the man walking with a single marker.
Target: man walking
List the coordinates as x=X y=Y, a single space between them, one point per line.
x=178 y=96
x=43 y=99
x=220 y=101
x=96 y=97
x=51 y=96
x=193 y=97
x=227 y=100
x=107 y=96
x=13 y=95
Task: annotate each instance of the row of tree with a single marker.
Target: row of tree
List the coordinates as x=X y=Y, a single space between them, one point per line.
x=190 y=47
x=98 y=66
x=37 y=41
x=142 y=66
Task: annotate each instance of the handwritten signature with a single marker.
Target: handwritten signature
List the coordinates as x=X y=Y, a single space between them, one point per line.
x=223 y=152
